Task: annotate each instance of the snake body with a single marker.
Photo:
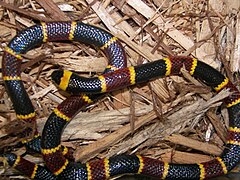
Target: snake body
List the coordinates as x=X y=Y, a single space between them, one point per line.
x=58 y=166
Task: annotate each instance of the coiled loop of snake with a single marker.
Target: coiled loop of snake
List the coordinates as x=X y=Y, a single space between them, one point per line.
x=31 y=37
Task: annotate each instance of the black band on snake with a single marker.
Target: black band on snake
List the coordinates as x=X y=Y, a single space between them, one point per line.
x=62 y=168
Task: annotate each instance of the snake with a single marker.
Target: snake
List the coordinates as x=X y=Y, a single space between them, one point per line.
x=59 y=167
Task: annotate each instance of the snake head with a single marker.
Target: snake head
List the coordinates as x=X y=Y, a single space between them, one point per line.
x=56 y=76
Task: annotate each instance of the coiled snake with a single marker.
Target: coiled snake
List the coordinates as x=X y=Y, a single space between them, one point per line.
x=60 y=167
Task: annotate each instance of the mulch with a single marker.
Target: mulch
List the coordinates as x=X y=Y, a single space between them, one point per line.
x=175 y=119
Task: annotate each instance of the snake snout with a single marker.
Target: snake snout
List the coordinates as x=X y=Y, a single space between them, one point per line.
x=56 y=76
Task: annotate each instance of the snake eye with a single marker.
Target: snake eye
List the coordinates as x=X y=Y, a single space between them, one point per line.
x=56 y=76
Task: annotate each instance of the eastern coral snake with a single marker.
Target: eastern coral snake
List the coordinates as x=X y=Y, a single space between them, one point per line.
x=57 y=165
